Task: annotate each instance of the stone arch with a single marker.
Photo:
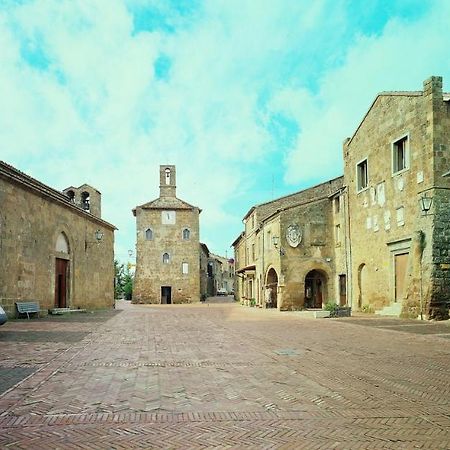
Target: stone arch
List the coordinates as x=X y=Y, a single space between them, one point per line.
x=316 y=288
x=86 y=201
x=62 y=243
x=71 y=194
x=271 y=293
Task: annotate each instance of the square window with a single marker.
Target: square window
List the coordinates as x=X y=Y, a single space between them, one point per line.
x=362 y=178
x=400 y=155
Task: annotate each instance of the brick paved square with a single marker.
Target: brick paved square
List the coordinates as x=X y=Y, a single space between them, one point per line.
x=9 y=376
x=224 y=376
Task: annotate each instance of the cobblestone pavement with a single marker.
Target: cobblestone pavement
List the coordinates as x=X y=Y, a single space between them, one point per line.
x=219 y=375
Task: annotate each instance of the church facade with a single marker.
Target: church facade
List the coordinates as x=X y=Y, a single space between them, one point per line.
x=55 y=249
x=167 y=247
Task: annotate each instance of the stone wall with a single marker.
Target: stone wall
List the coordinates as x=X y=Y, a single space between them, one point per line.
x=385 y=219
x=151 y=272
x=315 y=252
x=439 y=296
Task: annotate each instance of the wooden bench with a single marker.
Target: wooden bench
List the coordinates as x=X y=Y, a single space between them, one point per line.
x=28 y=308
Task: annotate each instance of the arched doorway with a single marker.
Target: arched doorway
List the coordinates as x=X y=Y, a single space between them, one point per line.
x=271 y=297
x=62 y=271
x=315 y=289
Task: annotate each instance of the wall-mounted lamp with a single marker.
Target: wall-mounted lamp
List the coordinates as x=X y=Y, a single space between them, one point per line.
x=99 y=235
x=275 y=242
x=425 y=203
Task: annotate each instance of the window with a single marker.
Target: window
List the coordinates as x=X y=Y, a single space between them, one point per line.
x=362 y=178
x=185 y=268
x=186 y=234
x=400 y=155
x=166 y=258
x=253 y=252
x=148 y=234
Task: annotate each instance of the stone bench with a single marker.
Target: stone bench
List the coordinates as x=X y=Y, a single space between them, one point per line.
x=28 y=308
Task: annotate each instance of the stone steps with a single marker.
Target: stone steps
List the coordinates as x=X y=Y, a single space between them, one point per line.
x=56 y=311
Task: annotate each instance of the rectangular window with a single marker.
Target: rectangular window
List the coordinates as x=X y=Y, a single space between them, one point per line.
x=400 y=155
x=253 y=252
x=362 y=178
x=185 y=268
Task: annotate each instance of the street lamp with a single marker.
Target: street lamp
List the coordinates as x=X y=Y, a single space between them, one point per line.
x=425 y=203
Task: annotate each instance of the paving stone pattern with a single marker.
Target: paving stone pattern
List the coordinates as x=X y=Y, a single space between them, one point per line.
x=225 y=376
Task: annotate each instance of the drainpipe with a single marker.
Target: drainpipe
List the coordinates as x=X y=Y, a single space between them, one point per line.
x=348 y=249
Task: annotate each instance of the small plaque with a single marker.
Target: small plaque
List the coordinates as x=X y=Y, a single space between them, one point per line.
x=445 y=266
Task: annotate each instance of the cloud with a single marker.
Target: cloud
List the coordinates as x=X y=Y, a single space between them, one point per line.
x=107 y=90
x=400 y=57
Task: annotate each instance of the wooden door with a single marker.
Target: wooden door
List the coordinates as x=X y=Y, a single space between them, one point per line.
x=401 y=265
x=342 y=290
x=61 y=283
x=166 y=295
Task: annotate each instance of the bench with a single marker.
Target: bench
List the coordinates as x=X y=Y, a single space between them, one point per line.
x=28 y=308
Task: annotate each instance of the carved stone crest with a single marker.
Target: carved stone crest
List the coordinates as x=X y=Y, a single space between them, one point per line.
x=294 y=235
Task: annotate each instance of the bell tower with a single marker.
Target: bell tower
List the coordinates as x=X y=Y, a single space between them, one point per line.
x=167 y=181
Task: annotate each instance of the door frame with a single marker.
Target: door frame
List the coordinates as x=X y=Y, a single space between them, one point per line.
x=163 y=288
x=397 y=248
x=66 y=277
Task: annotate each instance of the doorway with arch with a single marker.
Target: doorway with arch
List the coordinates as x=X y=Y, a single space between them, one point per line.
x=271 y=292
x=315 y=289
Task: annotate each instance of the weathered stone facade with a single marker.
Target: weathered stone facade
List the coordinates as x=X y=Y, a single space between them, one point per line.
x=167 y=247
x=289 y=247
x=367 y=241
x=402 y=145
x=49 y=251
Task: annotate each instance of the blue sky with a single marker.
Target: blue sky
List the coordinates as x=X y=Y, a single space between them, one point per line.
x=250 y=99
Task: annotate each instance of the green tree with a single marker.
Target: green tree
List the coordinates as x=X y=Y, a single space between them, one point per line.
x=123 y=280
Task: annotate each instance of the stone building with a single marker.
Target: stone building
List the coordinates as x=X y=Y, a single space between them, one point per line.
x=395 y=164
x=54 y=249
x=221 y=272
x=376 y=239
x=167 y=247
x=291 y=254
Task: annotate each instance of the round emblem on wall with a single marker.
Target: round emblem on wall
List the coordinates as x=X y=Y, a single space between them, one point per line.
x=294 y=235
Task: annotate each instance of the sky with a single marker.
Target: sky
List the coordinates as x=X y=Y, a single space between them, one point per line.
x=250 y=99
